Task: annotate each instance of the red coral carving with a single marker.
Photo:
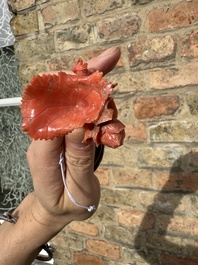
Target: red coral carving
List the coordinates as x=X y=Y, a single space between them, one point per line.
x=55 y=105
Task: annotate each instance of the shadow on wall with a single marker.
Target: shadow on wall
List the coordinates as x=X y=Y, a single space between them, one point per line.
x=172 y=239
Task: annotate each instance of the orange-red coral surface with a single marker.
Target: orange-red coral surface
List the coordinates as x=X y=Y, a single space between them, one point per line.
x=53 y=105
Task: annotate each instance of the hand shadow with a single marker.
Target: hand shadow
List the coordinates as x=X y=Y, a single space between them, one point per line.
x=170 y=242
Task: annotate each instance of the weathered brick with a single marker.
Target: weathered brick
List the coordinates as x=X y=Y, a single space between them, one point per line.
x=61 y=13
x=118 y=27
x=91 y=7
x=159 y=157
x=120 y=235
x=74 y=37
x=25 y=24
x=151 y=50
x=116 y=198
x=179 y=15
x=113 y=262
x=60 y=255
x=192 y=102
x=63 y=241
x=132 y=177
x=171 y=259
x=184 y=181
x=71 y=240
x=178 y=224
x=131 y=174
x=139 y=257
x=186 y=166
x=190 y=45
x=157 y=241
x=123 y=103
x=162 y=202
x=84 y=228
x=82 y=259
x=120 y=157
x=27 y=71
x=128 y=82
x=106 y=249
x=35 y=48
x=183 y=76
x=103 y=176
x=178 y=131
x=135 y=132
x=62 y=62
x=104 y=214
x=21 y=5
x=149 y=107
x=133 y=218
x=191 y=202
x=192 y=163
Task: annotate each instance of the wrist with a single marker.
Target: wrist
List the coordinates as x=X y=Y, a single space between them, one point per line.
x=45 y=218
x=40 y=224
x=34 y=227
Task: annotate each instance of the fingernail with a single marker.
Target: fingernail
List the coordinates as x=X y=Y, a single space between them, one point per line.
x=108 y=51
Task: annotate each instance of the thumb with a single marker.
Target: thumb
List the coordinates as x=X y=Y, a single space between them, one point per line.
x=79 y=156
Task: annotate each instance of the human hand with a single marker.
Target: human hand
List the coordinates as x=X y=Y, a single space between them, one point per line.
x=43 y=157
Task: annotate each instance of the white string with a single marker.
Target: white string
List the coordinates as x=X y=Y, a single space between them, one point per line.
x=62 y=165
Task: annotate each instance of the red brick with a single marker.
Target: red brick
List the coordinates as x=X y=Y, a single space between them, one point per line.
x=178 y=224
x=106 y=249
x=183 y=76
x=151 y=50
x=85 y=259
x=190 y=45
x=177 y=181
x=135 y=167
x=61 y=12
x=103 y=176
x=133 y=218
x=84 y=228
x=118 y=27
x=149 y=107
x=180 y=15
x=174 y=260
x=132 y=178
x=91 y=7
x=135 y=132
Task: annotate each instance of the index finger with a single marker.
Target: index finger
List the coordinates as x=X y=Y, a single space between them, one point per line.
x=104 y=62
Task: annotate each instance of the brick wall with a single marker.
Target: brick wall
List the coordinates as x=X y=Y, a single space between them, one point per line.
x=149 y=208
